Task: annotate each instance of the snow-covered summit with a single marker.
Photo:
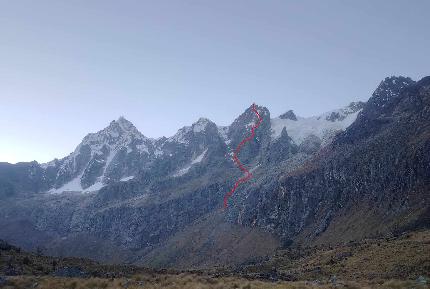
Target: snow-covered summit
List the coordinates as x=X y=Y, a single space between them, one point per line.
x=323 y=126
x=186 y=133
x=119 y=133
x=126 y=125
x=343 y=113
x=102 y=157
x=201 y=124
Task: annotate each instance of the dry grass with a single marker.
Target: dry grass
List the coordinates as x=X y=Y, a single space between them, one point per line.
x=189 y=281
x=405 y=257
x=368 y=264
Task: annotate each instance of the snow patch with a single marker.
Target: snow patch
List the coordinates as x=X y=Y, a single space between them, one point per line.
x=95 y=187
x=194 y=161
x=158 y=152
x=223 y=132
x=199 y=158
x=72 y=186
x=316 y=125
x=200 y=125
x=108 y=161
x=75 y=186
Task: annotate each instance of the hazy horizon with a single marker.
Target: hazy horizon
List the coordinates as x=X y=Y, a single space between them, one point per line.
x=70 y=68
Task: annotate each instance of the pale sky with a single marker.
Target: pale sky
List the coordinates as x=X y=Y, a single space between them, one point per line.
x=68 y=68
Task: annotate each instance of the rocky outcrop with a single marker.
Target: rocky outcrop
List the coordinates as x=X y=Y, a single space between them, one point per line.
x=288 y=115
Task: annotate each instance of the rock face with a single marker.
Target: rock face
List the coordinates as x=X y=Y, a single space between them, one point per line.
x=374 y=174
x=289 y=115
x=123 y=197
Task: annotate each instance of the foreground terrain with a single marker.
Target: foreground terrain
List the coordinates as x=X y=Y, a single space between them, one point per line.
x=194 y=282
x=392 y=262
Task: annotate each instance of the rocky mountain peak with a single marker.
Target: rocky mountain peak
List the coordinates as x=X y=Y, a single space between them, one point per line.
x=289 y=115
x=121 y=127
x=199 y=132
x=241 y=128
x=201 y=125
x=248 y=117
x=119 y=133
x=102 y=157
x=125 y=124
x=389 y=88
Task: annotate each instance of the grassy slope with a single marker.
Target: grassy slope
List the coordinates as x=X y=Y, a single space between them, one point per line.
x=210 y=242
x=403 y=257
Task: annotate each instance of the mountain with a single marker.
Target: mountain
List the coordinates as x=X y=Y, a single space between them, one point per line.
x=120 y=152
x=113 y=154
x=352 y=173
x=373 y=179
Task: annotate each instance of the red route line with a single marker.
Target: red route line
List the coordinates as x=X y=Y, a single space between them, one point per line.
x=248 y=174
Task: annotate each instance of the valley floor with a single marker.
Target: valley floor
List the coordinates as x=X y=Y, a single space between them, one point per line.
x=190 y=281
x=393 y=262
